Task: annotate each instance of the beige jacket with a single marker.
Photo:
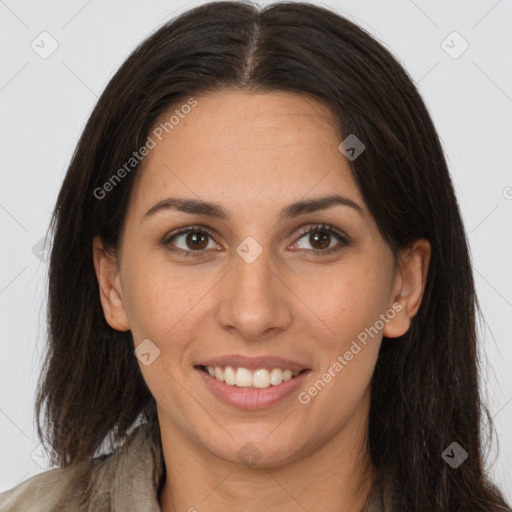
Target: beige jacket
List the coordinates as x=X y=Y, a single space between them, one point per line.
x=127 y=480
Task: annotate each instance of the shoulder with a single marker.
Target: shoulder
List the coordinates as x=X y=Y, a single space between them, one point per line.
x=42 y=492
x=97 y=482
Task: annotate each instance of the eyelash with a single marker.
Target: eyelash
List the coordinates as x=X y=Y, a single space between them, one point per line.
x=304 y=231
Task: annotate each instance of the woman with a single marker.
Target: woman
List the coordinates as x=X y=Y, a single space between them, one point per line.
x=260 y=288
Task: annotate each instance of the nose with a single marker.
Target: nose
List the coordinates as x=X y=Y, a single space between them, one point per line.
x=254 y=301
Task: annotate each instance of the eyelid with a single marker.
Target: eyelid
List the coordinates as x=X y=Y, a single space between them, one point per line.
x=184 y=230
x=310 y=228
x=304 y=230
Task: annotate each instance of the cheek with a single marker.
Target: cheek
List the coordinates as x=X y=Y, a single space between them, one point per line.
x=158 y=299
x=349 y=345
x=348 y=301
x=160 y=307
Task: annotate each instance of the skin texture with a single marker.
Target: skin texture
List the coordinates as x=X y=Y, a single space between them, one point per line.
x=255 y=153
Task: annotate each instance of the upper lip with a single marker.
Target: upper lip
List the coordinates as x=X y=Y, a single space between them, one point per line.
x=254 y=363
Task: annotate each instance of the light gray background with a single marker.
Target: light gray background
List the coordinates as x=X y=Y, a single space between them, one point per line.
x=44 y=104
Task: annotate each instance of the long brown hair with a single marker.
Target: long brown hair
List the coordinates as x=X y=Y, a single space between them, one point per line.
x=425 y=392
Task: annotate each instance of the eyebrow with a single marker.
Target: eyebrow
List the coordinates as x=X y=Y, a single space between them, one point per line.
x=215 y=210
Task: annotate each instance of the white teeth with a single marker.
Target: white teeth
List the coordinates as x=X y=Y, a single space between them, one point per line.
x=276 y=377
x=218 y=374
x=242 y=377
x=229 y=375
x=261 y=379
x=287 y=375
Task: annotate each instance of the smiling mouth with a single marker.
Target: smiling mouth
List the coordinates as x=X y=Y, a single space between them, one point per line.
x=243 y=377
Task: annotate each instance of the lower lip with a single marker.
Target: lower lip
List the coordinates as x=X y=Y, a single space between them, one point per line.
x=252 y=398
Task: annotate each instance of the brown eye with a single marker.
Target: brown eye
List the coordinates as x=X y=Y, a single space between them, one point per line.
x=196 y=240
x=320 y=239
x=190 y=241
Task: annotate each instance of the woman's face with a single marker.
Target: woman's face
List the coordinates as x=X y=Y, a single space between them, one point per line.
x=254 y=283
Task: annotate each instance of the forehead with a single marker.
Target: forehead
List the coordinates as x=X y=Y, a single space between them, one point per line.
x=234 y=146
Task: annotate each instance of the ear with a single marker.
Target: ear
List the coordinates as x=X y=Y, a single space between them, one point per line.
x=408 y=288
x=111 y=296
